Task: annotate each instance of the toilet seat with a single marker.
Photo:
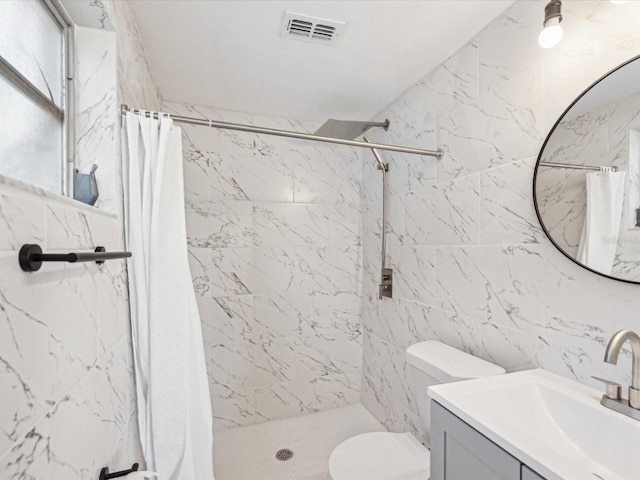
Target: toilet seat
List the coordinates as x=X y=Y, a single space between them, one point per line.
x=380 y=456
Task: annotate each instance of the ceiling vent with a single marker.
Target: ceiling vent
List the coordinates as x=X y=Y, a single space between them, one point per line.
x=311 y=29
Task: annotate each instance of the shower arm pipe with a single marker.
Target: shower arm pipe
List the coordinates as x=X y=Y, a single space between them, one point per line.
x=384 y=167
x=286 y=133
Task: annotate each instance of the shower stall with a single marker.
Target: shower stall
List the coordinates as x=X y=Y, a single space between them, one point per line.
x=274 y=227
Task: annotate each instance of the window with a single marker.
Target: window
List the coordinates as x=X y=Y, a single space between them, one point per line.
x=34 y=92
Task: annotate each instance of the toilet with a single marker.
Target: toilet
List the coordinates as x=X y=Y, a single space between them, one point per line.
x=400 y=456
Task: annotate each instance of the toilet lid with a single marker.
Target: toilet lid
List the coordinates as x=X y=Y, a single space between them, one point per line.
x=380 y=456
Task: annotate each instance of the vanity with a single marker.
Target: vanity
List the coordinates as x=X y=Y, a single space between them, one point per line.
x=531 y=425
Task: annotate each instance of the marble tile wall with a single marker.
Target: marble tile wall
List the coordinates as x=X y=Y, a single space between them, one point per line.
x=274 y=232
x=472 y=266
x=599 y=137
x=136 y=85
x=67 y=392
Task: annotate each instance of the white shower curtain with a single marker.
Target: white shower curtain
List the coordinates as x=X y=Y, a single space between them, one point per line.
x=599 y=240
x=174 y=407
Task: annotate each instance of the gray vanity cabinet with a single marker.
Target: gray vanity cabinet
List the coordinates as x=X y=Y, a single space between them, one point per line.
x=528 y=474
x=459 y=452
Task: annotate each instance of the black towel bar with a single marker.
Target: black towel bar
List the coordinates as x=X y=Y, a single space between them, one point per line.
x=31 y=257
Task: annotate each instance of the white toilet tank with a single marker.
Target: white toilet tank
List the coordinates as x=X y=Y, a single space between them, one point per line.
x=434 y=363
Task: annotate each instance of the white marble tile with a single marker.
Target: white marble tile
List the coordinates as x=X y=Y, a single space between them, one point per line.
x=298 y=273
x=29 y=457
x=585 y=306
x=454 y=83
x=281 y=315
x=412 y=122
x=127 y=450
x=44 y=355
x=112 y=305
x=230 y=272
x=199 y=260
x=324 y=175
x=297 y=224
x=22 y=219
x=500 y=60
x=227 y=319
x=136 y=85
x=272 y=362
x=414 y=322
x=83 y=429
x=376 y=386
x=500 y=127
x=461 y=281
x=510 y=348
x=515 y=279
x=246 y=365
x=396 y=369
x=414 y=270
x=89 y=14
x=624 y=117
x=96 y=111
x=218 y=224
x=409 y=172
x=232 y=407
x=307 y=396
x=507 y=212
x=374 y=322
x=335 y=313
x=445 y=214
x=228 y=365
x=196 y=169
x=325 y=313
x=304 y=269
x=580 y=359
x=562 y=205
x=237 y=173
x=582 y=140
x=377 y=400
x=68 y=228
x=318 y=355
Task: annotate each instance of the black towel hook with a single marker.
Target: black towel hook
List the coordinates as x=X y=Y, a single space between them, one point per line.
x=105 y=475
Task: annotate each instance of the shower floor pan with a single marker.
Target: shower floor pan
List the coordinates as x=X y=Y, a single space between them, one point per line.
x=249 y=453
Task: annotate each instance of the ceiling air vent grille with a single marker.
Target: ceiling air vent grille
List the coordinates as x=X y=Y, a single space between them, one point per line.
x=300 y=27
x=311 y=29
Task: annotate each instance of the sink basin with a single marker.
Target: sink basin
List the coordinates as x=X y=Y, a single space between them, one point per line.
x=554 y=425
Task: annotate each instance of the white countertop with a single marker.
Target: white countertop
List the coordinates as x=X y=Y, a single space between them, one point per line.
x=554 y=425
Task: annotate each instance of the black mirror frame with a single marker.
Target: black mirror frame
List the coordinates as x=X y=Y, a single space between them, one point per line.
x=535 y=173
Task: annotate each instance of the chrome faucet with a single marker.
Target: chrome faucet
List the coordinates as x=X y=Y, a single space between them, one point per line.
x=612 y=399
x=611 y=356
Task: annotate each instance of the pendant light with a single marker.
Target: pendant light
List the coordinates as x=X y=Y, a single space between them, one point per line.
x=551 y=34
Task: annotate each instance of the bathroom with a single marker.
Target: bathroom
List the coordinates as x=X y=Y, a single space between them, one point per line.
x=295 y=348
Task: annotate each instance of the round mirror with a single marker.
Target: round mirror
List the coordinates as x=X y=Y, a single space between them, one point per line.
x=586 y=185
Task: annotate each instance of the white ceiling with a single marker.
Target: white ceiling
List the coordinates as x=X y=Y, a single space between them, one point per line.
x=230 y=54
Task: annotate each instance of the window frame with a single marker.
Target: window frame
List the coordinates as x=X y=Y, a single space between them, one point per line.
x=66 y=114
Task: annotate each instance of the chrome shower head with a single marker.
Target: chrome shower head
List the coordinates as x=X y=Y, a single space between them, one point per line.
x=347 y=130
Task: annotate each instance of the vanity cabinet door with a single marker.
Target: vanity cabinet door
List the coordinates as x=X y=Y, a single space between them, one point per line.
x=459 y=452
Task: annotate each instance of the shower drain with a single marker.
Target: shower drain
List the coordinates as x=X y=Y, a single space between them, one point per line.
x=284 y=454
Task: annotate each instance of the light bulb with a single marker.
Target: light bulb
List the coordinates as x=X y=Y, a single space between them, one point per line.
x=550 y=36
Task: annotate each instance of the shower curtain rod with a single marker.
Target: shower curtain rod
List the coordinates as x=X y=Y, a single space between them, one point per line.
x=286 y=133
x=574 y=167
